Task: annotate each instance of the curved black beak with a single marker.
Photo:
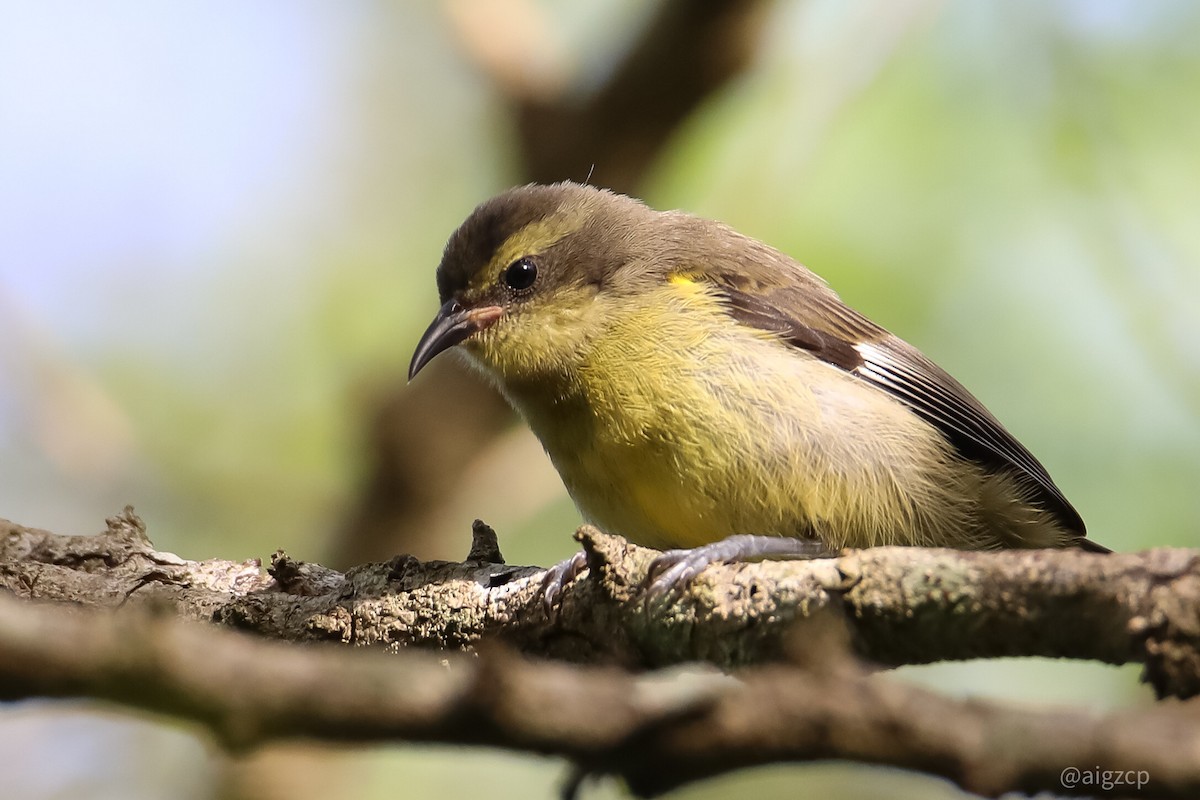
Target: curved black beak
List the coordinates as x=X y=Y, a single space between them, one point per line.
x=452 y=325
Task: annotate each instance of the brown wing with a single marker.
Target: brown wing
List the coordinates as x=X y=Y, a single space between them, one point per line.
x=808 y=314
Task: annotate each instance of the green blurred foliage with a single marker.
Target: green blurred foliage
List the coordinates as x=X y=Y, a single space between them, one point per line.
x=1011 y=186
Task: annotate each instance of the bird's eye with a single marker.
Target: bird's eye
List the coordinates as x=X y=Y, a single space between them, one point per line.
x=520 y=275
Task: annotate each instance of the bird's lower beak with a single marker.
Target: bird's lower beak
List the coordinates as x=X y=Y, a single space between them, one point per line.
x=452 y=325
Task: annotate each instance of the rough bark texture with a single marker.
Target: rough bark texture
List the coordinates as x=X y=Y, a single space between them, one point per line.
x=806 y=696
x=901 y=605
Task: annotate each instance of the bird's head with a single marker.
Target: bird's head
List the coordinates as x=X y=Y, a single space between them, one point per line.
x=530 y=277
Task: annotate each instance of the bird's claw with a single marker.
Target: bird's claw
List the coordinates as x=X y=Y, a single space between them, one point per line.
x=558 y=577
x=675 y=569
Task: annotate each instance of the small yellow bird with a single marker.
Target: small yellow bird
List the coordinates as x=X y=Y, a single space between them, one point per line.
x=697 y=389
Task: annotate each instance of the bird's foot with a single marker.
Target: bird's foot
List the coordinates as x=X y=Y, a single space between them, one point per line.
x=674 y=569
x=557 y=578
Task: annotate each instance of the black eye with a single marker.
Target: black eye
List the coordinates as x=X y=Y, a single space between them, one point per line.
x=520 y=275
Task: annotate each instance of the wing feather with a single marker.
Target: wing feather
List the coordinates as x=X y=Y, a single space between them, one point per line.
x=810 y=316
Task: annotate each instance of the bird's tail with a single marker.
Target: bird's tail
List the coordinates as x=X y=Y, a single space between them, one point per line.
x=1090 y=546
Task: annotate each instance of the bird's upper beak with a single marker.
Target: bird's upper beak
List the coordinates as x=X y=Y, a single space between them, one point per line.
x=452 y=325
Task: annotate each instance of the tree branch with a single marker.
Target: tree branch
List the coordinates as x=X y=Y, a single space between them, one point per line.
x=656 y=730
x=800 y=695
x=902 y=605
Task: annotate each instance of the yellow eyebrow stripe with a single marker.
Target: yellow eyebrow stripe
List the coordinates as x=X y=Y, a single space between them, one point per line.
x=535 y=238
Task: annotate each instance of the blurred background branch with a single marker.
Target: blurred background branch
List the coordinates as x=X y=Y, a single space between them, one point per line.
x=425 y=438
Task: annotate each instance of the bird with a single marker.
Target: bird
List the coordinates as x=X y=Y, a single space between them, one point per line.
x=703 y=393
